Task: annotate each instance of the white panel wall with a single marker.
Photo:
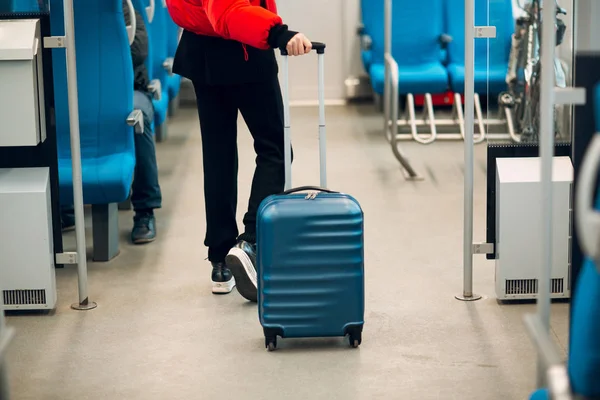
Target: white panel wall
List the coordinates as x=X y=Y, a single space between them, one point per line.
x=321 y=21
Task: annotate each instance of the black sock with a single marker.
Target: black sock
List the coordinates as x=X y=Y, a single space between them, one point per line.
x=249 y=237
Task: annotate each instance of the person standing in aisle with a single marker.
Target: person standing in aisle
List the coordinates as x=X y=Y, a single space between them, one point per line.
x=227 y=51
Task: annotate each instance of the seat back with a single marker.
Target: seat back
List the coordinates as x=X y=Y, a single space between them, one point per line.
x=584 y=354
x=157 y=31
x=104 y=83
x=498 y=13
x=597 y=107
x=25 y=6
x=172 y=36
x=416 y=30
x=139 y=6
x=373 y=22
x=413 y=42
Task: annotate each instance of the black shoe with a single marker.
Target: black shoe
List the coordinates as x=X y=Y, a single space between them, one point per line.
x=241 y=260
x=67 y=225
x=222 y=279
x=144 y=228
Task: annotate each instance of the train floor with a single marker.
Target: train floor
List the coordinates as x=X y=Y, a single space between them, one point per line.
x=159 y=333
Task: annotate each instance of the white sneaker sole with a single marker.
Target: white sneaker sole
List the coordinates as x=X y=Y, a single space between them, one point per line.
x=246 y=262
x=243 y=270
x=223 y=287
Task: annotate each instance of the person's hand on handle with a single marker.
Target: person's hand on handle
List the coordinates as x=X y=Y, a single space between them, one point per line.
x=299 y=45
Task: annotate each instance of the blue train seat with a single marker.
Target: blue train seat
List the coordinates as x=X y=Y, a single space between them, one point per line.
x=373 y=28
x=174 y=80
x=501 y=16
x=416 y=47
x=105 y=90
x=597 y=107
x=158 y=41
x=584 y=354
x=584 y=346
x=25 y=6
x=541 y=394
x=140 y=7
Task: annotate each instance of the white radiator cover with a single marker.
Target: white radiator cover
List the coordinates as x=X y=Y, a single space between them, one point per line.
x=518 y=227
x=27 y=275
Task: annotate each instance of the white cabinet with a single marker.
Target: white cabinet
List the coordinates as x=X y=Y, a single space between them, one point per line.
x=27 y=276
x=518 y=223
x=22 y=115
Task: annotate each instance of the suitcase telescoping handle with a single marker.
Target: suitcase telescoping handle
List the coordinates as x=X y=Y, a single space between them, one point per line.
x=320 y=49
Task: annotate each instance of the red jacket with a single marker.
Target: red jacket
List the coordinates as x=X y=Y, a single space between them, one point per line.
x=242 y=20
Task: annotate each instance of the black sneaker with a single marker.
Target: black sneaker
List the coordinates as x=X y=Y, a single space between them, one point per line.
x=67 y=225
x=222 y=279
x=144 y=228
x=241 y=260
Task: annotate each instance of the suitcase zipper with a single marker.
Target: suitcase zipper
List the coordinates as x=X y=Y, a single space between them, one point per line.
x=311 y=196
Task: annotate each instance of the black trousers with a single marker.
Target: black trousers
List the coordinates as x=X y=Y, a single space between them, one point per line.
x=261 y=106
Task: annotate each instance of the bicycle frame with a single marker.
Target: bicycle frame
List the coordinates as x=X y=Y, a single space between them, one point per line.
x=524 y=70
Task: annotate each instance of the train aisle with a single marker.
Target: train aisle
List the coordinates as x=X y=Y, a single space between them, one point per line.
x=159 y=333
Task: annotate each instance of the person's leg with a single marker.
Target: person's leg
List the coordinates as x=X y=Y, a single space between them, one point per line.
x=218 y=125
x=262 y=108
x=146 y=195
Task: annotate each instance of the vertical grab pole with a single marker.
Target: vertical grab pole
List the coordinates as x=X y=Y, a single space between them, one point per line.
x=546 y=154
x=387 y=49
x=387 y=87
x=84 y=303
x=467 y=294
x=4 y=392
x=322 y=131
x=287 y=141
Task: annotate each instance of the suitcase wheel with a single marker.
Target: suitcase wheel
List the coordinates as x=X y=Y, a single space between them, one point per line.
x=355 y=340
x=354 y=335
x=271 y=343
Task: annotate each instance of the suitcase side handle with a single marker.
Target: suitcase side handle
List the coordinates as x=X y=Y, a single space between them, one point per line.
x=309 y=188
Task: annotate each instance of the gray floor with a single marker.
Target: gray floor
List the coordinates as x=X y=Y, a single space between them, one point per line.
x=159 y=333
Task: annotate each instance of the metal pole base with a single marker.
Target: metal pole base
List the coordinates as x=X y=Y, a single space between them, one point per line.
x=84 y=306
x=414 y=178
x=473 y=297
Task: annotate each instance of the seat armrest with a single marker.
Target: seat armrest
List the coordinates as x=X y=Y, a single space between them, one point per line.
x=168 y=65
x=136 y=120
x=155 y=87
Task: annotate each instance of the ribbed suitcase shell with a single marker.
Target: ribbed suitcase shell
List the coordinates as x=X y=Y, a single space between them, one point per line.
x=310 y=262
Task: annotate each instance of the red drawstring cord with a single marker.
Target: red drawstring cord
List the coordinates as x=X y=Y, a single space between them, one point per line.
x=245 y=52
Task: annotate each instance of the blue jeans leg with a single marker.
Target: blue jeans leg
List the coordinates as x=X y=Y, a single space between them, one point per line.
x=146 y=194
